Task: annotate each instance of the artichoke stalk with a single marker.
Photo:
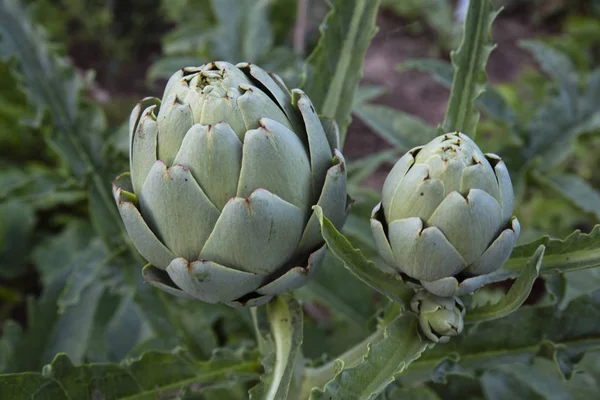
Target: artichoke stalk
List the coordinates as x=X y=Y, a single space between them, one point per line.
x=446 y=220
x=225 y=170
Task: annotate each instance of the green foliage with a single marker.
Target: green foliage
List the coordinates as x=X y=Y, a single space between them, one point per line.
x=229 y=30
x=79 y=322
x=436 y=14
x=153 y=374
x=470 y=79
x=334 y=69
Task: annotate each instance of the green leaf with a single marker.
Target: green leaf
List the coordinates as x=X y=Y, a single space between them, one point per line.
x=558 y=66
x=553 y=129
x=68 y=329
x=338 y=310
x=398 y=128
x=366 y=93
x=72 y=331
x=384 y=361
x=516 y=296
x=85 y=271
x=52 y=84
x=441 y=71
x=418 y=393
x=491 y=101
x=540 y=380
x=562 y=336
x=283 y=342
x=576 y=191
x=257 y=35
x=469 y=61
x=333 y=70
x=577 y=251
x=364 y=167
x=199 y=326
x=17 y=222
x=153 y=374
x=26 y=386
x=55 y=254
x=578 y=283
x=387 y=283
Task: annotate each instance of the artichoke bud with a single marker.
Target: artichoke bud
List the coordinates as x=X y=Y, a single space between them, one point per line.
x=225 y=170
x=440 y=318
x=445 y=218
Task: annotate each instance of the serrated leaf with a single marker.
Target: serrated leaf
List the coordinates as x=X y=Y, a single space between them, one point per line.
x=469 y=61
x=499 y=386
x=284 y=316
x=516 y=296
x=559 y=67
x=386 y=283
x=576 y=191
x=84 y=271
x=491 y=101
x=56 y=253
x=577 y=251
x=398 y=128
x=17 y=222
x=384 y=360
x=418 y=393
x=334 y=68
x=73 y=329
x=540 y=380
x=559 y=335
x=52 y=84
x=50 y=329
x=154 y=374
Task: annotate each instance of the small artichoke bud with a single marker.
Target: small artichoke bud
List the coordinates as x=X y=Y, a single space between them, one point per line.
x=446 y=220
x=225 y=170
x=440 y=318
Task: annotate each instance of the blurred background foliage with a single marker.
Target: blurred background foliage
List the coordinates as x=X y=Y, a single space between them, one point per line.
x=68 y=282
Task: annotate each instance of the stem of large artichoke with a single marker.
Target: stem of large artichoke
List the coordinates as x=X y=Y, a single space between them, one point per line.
x=279 y=330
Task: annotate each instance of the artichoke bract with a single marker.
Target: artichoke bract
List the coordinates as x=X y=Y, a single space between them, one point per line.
x=440 y=318
x=445 y=220
x=225 y=170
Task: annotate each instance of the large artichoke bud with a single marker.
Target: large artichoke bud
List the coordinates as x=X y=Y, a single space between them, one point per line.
x=445 y=220
x=440 y=318
x=224 y=173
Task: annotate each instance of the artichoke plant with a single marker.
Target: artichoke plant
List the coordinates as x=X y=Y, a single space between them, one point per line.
x=445 y=220
x=440 y=318
x=225 y=170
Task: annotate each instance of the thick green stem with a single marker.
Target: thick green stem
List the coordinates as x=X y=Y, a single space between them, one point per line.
x=279 y=333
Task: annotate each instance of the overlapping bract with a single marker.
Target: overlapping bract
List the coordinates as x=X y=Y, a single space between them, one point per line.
x=440 y=318
x=445 y=219
x=224 y=173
